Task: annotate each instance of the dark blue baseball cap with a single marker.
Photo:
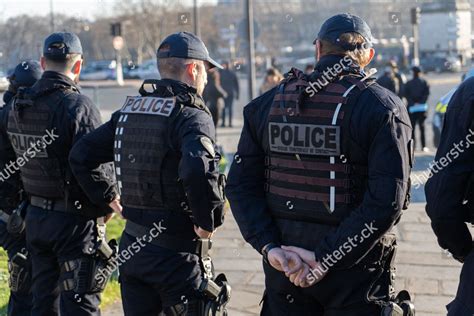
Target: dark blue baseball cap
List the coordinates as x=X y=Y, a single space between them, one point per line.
x=185 y=45
x=26 y=73
x=339 y=24
x=59 y=45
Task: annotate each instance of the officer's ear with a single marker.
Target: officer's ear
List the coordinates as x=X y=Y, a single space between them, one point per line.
x=192 y=70
x=318 y=49
x=371 y=55
x=43 y=63
x=76 y=68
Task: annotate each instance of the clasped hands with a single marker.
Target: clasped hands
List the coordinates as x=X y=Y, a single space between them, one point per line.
x=298 y=264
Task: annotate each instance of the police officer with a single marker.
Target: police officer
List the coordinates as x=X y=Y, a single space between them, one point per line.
x=322 y=167
x=417 y=92
x=25 y=75
x=61 y=232
x=163 y=146
x=450 y=186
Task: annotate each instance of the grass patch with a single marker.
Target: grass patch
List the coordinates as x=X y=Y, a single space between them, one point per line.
x=111 y=294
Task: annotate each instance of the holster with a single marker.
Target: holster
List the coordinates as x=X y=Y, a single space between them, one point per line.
x=88 y=272
x=399 y=306
x=20 y=273
x=216 y=291
x=16 y=221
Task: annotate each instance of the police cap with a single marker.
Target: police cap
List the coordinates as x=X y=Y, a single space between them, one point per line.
x=339 y=24
x=185 y=45
x=58 y=45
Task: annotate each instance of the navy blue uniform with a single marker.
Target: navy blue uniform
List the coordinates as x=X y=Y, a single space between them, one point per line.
x=446 y=191
x=19 y=303
x=62 y=229
x=154 y=277
x=381 y=130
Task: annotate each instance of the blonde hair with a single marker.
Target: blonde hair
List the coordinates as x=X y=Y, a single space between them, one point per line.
x=360 y=55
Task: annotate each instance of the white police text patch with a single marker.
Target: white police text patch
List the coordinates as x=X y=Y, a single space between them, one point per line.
x=306 y=139
x=149 y=105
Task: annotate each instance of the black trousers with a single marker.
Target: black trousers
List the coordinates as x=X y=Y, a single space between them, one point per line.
x=463 y=304
x=419 y=118
x=340 y=293
x=53 y=238
x=20 y=303
x=155 y=279
x=228 y=109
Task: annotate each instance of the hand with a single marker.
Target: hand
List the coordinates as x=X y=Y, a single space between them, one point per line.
x=202 y=233
x=108 y=217
x=307 y=256
x=286 y=261
x=116 y=206
x=301 y=278
x=318 y=271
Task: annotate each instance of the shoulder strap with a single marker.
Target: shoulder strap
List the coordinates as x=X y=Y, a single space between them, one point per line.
x=349 y=108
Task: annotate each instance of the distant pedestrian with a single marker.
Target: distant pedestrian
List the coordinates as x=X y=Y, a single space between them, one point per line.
x=402 y=79
x=230 y=83
x=272 y=78
x=417 y=91
x=389 y=81
x=213 y=93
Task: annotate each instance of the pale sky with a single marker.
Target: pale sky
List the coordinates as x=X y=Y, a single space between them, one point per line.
x=83 y=8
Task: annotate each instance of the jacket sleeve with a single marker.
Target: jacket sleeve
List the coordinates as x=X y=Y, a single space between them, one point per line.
x=91 y=156
x=388 y=175
x=453 y=165
x=199 y=167
x=245 y=186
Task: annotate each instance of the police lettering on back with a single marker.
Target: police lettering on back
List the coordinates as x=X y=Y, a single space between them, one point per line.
x=304 y=139
x=149 y=105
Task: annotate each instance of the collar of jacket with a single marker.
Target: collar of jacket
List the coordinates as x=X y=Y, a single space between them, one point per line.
x=50 y=79
x=328 y=62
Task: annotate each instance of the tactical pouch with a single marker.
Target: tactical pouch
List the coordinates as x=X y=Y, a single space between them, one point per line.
x=19 y=270
x=90 y=273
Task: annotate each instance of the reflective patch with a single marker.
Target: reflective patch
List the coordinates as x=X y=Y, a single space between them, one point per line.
x=307 y=139
x=32 y=145
x=207 y=144
x=149 y=105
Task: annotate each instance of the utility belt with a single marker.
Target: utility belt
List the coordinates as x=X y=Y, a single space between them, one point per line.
x=215 y=291
x=59 y=205
x=165 y=241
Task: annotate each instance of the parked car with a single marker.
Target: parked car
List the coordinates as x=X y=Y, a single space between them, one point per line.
x=147 y=70
x=441 y=64
x=3 y=82
x=100 y=70
x=441 y=107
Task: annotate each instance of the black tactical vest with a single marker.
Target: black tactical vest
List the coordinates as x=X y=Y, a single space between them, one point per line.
x=310 y=174
x=30 y=130
x=146 y=164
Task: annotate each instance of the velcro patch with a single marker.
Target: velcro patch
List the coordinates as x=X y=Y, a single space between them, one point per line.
x=306 y=139
x=149 y=105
